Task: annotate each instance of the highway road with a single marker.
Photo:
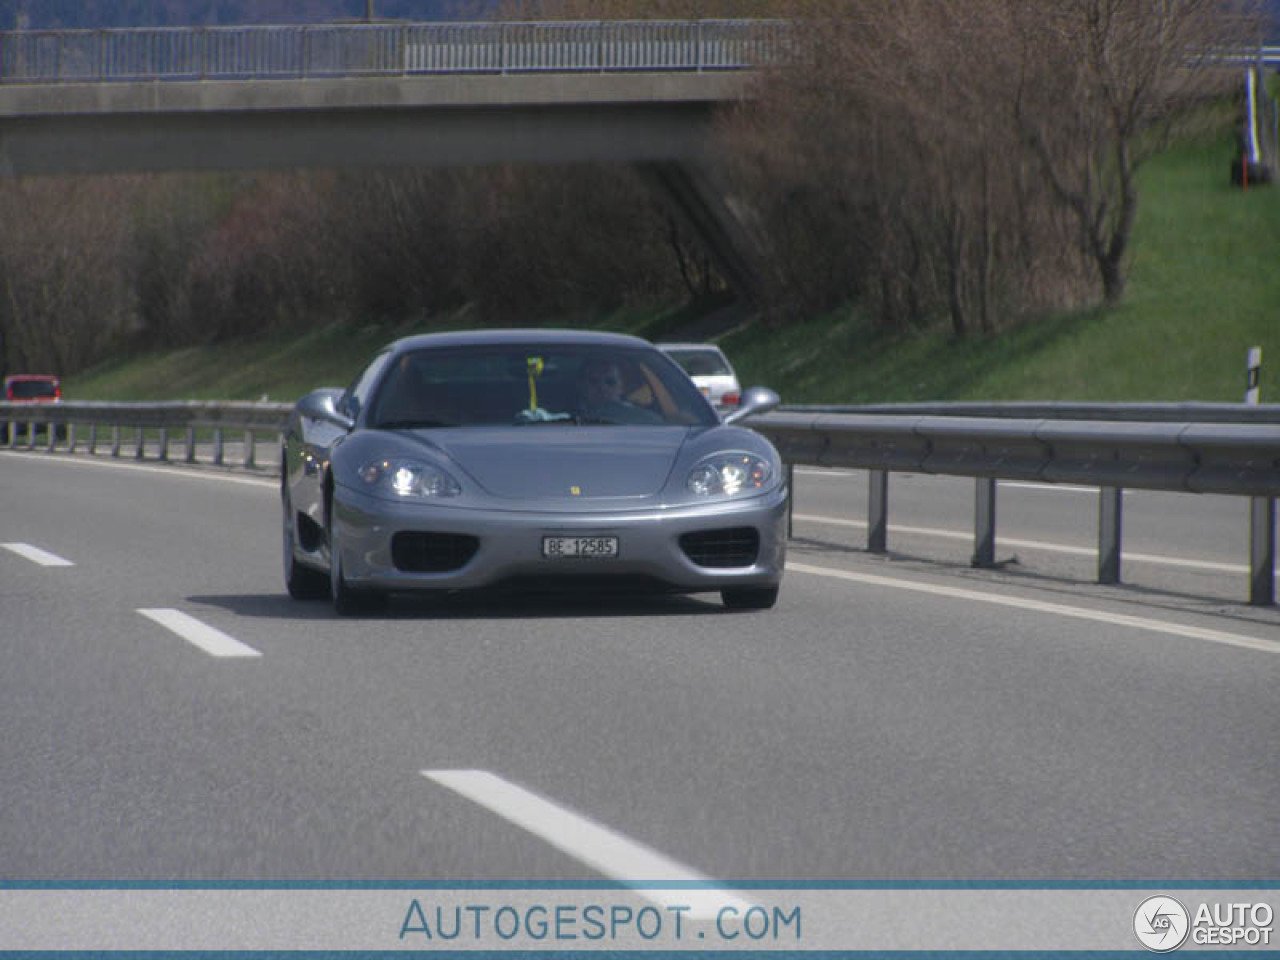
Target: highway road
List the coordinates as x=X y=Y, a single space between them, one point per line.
x=169 y=714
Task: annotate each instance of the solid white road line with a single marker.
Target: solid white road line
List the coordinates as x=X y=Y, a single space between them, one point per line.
x=36 y=555
x=1051 y=487
x=189 y=473
x=599 y=847
x=1039 y=606
x=1013 y=484
x=211 y=641
x=1212 y=565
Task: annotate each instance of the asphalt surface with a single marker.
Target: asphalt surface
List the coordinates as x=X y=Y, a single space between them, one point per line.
x=899 y=717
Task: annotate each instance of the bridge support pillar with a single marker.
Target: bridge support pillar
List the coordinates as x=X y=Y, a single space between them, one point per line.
x=703 y=204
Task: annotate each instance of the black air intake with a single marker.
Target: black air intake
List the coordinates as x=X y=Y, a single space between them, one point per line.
x=735 y=547
x=415 y=552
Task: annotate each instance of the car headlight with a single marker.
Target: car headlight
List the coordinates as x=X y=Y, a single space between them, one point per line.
x=730 y=475
x=409 y=478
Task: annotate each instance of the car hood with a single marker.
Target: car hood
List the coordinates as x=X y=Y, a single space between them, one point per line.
x=553 y=462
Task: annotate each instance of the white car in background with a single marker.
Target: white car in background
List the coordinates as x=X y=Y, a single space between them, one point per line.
x=709 y=369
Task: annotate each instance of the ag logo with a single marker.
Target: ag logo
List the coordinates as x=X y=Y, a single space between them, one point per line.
x=1161 y=924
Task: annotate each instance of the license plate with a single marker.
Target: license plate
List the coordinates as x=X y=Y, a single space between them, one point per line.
x=580 y=548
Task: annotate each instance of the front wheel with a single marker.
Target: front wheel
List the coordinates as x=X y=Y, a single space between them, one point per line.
x=749 y=598
x=302 y=582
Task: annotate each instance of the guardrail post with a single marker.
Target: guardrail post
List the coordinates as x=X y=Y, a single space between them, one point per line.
x=71 y=438
x=115 y=439
x=164 y=443
x=141 y=437
x=249 y=460
x=1262 y=551
x=791 y=496
x=217 y=446
x=191 y=445
x=878 y=511
x=984 y=523
x=93 y=438
x=50 y=436
x=1110 y=517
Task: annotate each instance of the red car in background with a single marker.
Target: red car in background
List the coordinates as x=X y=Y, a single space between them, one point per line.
x=30 y=388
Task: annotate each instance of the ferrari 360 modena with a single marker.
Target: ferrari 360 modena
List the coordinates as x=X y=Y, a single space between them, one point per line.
x=530 y=459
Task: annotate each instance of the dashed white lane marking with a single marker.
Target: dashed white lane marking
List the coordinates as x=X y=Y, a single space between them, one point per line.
x=1039 y=606
x=36 y=555
x=211 y=641
x=1212 y=565
x=599 y=847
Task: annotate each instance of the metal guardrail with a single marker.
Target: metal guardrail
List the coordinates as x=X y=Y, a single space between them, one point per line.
x=1228 y=449
x=1184 y=412
x=1267 y=55
x=341 y=50
x=1239 y=459
x=1223 y=457
x=144 y=425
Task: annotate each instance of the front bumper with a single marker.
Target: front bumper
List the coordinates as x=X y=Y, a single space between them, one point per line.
x=510 y=543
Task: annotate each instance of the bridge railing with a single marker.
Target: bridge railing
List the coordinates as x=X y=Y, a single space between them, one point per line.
x=329 y=50
x=1230 y=449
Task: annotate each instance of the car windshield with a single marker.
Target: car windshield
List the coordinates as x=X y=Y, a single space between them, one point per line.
x=539 y=385
x=32 y=389
x=701 y=363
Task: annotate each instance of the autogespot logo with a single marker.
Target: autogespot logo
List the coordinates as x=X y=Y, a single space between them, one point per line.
x=1161 y=924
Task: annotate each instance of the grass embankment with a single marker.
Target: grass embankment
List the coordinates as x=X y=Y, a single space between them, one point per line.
x=1204 y=287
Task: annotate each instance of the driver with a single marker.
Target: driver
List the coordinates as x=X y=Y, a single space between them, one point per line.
x=600 y=395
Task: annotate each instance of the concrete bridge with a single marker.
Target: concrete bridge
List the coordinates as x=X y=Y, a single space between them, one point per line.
x=391 y=95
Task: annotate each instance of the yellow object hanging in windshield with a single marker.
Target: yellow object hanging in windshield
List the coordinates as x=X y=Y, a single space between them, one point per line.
x=535 y=371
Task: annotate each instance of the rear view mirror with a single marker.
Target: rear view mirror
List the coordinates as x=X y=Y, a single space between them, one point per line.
x=323 y=405
x=754 y=400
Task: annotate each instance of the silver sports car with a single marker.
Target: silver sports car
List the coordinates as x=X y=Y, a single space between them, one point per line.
x=529 y=458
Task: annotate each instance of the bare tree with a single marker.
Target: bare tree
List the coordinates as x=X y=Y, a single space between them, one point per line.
x=1101 y=85
x=889 y=169
x=65 y=299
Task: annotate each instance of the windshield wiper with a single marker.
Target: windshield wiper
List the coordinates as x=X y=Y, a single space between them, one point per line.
x=412 y=424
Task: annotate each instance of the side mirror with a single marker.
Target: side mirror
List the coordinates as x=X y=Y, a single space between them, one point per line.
x=323 y=405
x=754 y=400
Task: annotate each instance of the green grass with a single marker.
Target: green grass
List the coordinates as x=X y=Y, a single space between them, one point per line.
x=278 y=368
x=1204 y=287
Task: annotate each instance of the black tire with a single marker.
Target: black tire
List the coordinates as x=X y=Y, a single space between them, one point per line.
x=750 y=598
x=302 y=582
